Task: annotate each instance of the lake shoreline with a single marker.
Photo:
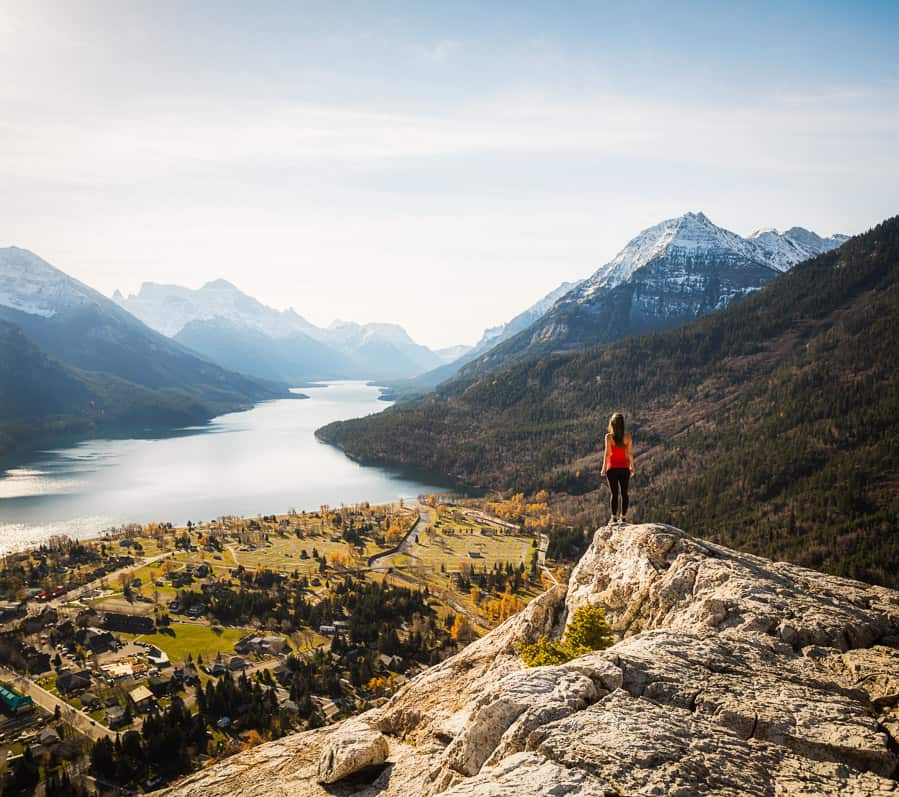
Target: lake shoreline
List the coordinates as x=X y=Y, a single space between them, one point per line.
x=265 y=460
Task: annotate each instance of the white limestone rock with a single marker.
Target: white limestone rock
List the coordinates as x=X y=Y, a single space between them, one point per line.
x=351 y=746
x=655 y=576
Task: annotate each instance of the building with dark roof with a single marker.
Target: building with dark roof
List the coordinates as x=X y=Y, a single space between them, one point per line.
x=14 y=702
x=129 y=623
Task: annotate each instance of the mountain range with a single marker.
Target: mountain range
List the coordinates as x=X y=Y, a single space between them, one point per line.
x=72 y=360
x=185 y=361
x=772 y=423
x=237 y=331
x=669 y=274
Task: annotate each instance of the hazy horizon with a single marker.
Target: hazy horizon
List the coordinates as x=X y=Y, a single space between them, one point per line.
x=440 y=167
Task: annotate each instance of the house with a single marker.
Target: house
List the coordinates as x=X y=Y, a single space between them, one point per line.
x=90 y=701
x=237 y=663
x=36 y=661
x=115 y=717
x=95 y=639
x=282 y=674
x=218 y=669
x=68 y=682
x=196 y=610
x=187 y=675
x=327 y=707
x=159 y=684
x=157 y=657
x=272 y=644
x=118 y=669
x=10 y=610
x=290 y=708
x=390 y=662
x=15 y=702
x=142 y=698
x=37 y=622
x=327 y=630
x=129 y=623
x=48 y=737
x=223 y=722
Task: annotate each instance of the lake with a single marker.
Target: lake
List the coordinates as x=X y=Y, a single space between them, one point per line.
x=263 y=461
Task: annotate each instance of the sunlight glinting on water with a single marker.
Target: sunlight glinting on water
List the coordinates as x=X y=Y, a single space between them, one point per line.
x=266 y=460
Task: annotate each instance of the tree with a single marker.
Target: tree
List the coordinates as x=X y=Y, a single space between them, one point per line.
x=587 y=631
x=461 y=630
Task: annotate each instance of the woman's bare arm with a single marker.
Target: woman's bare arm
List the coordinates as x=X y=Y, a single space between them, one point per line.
x=630 y=453
x=605 y=458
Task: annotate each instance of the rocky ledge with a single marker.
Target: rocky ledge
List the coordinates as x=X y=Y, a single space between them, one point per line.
x=733 y=675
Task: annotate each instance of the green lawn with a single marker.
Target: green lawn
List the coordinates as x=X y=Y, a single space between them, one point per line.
x=196 y=639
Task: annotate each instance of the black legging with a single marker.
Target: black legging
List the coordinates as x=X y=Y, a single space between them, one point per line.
x=618 y=478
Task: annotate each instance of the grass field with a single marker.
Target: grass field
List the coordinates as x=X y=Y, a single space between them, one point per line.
x=196 y=639
x=286 y=553
x=469 y=547
x=206 y=641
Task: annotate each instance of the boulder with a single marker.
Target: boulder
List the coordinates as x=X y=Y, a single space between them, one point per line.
x=350 y=747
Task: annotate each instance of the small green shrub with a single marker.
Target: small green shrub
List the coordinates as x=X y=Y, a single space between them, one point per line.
x=587 y=631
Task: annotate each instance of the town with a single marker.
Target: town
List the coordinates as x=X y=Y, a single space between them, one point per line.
x=134 y=658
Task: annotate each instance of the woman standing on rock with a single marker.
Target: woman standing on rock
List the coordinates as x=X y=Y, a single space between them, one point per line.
x=618 y=464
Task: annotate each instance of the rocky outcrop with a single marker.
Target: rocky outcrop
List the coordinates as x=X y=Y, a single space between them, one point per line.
x=733 y=675
x=352 y=747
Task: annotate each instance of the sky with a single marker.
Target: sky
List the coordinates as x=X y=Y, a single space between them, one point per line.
x=438 y=165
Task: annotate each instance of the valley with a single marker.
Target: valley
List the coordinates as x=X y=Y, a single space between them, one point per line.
x=327 y=611
x=771 y=425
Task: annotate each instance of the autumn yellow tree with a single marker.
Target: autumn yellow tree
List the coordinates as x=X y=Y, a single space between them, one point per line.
x=461 y=630
x=395 y=534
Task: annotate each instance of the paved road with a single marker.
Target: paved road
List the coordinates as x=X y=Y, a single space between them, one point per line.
x=541 y=558
x=47 y=700
x=380 y=563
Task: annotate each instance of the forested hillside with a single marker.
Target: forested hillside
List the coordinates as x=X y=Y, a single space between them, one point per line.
x=40 y=396
x=773 y=425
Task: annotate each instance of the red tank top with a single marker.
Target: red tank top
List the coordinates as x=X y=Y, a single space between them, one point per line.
x=617 y=456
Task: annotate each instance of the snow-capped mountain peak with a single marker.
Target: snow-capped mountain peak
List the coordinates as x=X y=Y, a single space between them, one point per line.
x=31 y=285
x=693 y=234
x=169 y=308
x=688 y=234
x=784 y=250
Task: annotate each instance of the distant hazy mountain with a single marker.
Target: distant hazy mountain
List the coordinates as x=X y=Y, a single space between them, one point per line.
x=293 y=358
x=71 y=357
x=669 y=274
x=387 y=348
x=237 y=331
x=170 y=308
